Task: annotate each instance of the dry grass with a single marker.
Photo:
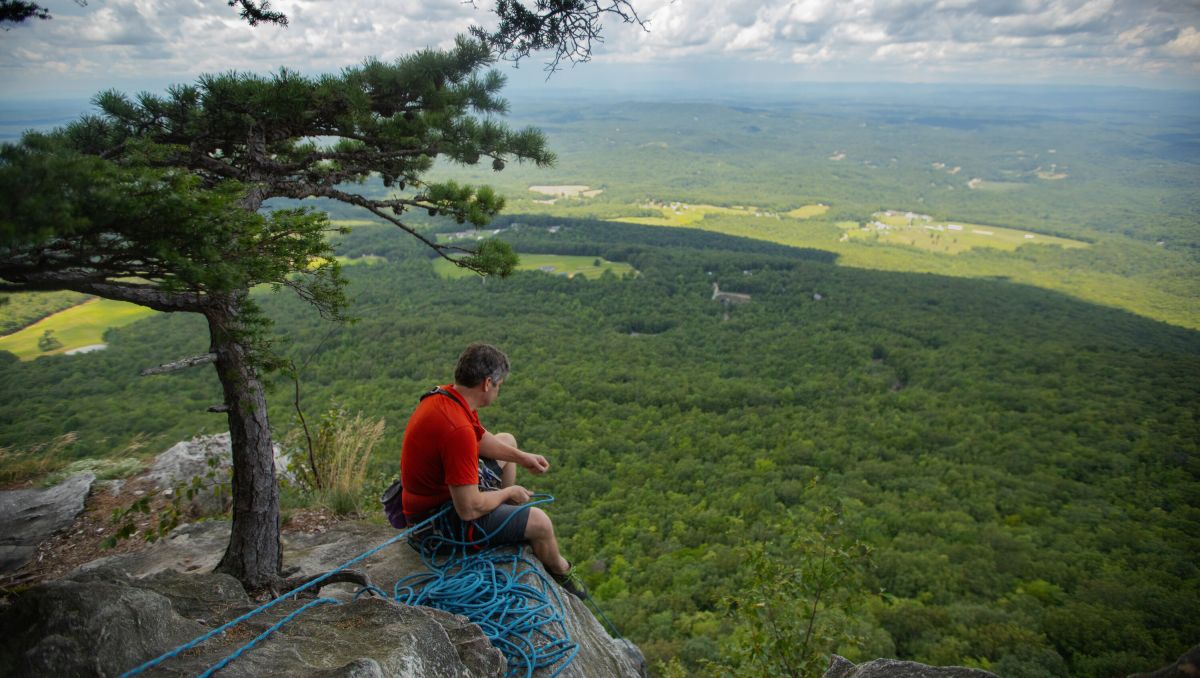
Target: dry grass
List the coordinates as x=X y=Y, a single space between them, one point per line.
x=19 y=467
x=345 y=473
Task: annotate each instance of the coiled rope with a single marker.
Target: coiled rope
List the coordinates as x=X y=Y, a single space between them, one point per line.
x=518 y=609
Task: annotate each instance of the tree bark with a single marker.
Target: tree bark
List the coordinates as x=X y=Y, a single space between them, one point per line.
x=253 y=555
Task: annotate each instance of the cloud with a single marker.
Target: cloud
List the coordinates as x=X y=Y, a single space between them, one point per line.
x=1186 y=44
x=1018 y=40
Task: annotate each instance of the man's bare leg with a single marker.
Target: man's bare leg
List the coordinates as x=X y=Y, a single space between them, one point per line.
x=540 y=533
x=508 y=470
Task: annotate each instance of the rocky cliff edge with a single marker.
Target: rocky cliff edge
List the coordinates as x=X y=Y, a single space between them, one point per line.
x=115 y=613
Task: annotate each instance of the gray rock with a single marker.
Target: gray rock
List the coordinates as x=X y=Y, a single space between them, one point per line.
x=368 y=638
x=195 y=547
x=27 y=517
x=191 y=459
x=90 y=628
x=599 y=654
x=95 y=628
x=840 y=667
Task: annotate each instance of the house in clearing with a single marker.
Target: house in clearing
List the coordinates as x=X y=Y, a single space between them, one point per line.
x=729 y=297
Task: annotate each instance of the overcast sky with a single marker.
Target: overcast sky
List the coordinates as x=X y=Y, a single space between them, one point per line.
x=132 y=44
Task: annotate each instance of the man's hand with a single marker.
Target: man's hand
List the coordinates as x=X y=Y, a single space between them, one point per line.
x=517 y=494
x=535 y=463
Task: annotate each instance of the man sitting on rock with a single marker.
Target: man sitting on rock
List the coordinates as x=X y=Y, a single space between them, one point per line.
x=447 y=455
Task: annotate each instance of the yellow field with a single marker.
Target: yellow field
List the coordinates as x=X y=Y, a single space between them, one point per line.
x=355 y=223
x=683 y=214
x=1108 y=289
x=807 y=211
x=554 y=264
x=367 y=259
x=946 y=237
x=78 y=326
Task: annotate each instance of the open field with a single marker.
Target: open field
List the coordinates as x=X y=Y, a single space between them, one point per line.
x=567 y=191
x=366 y=259
x=78 y=326
x=807 y=211
x=554 y=264
x=22 y=309
x=355 y=223
x=948 y=237
x=683 y=214
x=1134 y=293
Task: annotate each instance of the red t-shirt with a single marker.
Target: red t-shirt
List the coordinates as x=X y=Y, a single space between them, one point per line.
x=440 y=449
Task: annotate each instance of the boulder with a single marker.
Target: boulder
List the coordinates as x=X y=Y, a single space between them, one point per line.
x=27 y=517
x=194 y=547
x=72 y=627
x=99 y=623
x=197 y=458
x=840 y=667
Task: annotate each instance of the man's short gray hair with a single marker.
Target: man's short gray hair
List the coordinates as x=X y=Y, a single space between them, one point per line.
x=479 y=362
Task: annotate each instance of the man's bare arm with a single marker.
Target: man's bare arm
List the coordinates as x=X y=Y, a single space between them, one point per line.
x=470 y=503
x=493 y=448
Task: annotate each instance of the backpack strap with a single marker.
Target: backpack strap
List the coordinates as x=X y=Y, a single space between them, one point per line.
x=438 y=390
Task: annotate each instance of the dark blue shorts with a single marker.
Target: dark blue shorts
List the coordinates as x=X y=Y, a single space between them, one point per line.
x=504 y=525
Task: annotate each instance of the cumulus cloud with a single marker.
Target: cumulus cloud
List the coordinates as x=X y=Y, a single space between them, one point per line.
x=179 y=39
x=958 y=39
x=1023 y=37
x=1186 y=44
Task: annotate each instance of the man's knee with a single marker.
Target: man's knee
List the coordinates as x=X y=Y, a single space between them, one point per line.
x=539 y=525
x=507 y=439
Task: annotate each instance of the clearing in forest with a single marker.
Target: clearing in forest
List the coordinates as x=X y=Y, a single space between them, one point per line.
x=76 y=327
x=923 y=231
x=554 y=264
x=366 y=259
x=807 y=211
x=568 y=191
x=683 y=214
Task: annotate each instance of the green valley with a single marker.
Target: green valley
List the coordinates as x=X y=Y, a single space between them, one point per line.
x=765 y=171
x=1011 y=456
x=958 y=365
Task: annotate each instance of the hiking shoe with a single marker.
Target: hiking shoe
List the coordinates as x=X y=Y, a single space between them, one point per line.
x=570 y=582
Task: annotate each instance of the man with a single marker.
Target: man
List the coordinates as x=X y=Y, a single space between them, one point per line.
x=440 y=462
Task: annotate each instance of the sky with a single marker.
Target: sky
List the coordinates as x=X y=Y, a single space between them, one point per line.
x=149 y=44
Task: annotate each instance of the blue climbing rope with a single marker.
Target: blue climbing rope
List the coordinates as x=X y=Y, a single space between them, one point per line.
x=287 y=596
x=262 y=636
x=504 y=593
x=519 y=610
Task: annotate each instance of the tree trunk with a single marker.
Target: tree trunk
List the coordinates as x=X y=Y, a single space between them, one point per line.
x=253 y=555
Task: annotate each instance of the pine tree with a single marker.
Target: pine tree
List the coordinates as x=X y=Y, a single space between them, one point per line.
x=158 y=201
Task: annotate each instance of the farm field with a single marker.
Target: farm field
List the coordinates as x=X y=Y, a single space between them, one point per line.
x=554 y=264
x=565 y=191
x=683 y=214
x=1046 y=267
x=76 y=327
x=366 y=259
x=948 y=237
x=807 y=211
x=1052 y=167
x=22 y=309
